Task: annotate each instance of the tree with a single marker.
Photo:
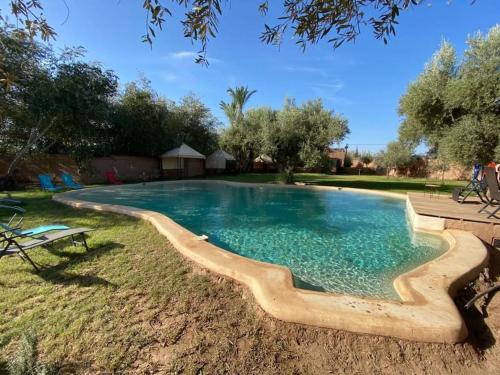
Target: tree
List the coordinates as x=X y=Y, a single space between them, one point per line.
x=139 y=122
x=146 y=124
x=195 y=125
x=471 y=141
x=454 y=107
x=244 y=139
x=240 y=95
x=397 y=155
x=56 y=102
x=301 y=136
x=426 y=114
x=310 y=21
x=366 y=158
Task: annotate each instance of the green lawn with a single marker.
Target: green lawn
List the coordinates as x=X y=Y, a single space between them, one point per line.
x=394 y=184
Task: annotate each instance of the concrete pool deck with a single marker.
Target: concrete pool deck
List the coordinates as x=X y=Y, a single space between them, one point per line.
x=426 y=311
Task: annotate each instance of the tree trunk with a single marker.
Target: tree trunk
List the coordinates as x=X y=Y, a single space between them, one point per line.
x=289 y=175
x=9 y=179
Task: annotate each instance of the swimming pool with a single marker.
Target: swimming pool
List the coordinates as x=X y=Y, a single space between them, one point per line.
x=336 y=241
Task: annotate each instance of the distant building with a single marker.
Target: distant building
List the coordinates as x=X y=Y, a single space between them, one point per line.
x=220 y=161
x=263 y=163
x=338 y=155
x=182 y=161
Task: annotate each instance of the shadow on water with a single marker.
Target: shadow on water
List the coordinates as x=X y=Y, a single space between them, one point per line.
x=301 y=284
x=57 y=274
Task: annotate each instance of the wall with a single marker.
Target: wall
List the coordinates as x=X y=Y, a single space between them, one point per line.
x=129 y=168
x=28 y=171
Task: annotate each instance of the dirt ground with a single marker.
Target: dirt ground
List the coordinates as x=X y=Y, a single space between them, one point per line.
x=196 y=339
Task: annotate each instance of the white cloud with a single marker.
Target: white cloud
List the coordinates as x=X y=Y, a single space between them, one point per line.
x=306 y=69
x=190 y=55
x=328 y=91
x=170 y=77
x=180 y=55
x=334 y=86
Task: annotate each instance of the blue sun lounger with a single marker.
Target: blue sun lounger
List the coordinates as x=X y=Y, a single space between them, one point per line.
x=14 y=224
x=9 y=200
x=68 y=181
x=47 y=184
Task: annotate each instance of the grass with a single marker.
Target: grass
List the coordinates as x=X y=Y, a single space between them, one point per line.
x=394 y=184
x=132 y=304
x=95 y=308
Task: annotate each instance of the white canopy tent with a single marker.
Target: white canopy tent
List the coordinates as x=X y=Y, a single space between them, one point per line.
x=182 y=161
x=219 y=160
x=266 y=159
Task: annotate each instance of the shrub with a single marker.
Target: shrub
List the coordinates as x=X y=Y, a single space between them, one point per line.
x=26 y=361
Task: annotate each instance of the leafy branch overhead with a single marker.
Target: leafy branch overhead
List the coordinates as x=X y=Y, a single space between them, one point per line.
x=309 y=21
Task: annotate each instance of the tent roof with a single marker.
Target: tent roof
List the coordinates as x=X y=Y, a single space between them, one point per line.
x=183 y=151
x=263 y=159
x=222 y=154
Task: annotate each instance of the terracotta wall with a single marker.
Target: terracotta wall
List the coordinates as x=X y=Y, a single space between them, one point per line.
x=28 y=171
x=129 y=168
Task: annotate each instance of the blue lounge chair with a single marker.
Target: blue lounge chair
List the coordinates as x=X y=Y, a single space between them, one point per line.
x=9 y=200
x=68 y=181
x=47 y=184
x=15 y=223
x=33 y=232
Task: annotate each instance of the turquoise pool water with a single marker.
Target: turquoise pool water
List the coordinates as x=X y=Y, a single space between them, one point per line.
x=336 y=241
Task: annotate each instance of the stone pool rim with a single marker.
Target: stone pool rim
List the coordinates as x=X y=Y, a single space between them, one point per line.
x=426 y=311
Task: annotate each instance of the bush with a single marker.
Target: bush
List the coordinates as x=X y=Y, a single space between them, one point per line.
x=26 y=361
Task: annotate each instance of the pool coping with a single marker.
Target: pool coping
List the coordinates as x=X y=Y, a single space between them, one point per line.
x=426 y=313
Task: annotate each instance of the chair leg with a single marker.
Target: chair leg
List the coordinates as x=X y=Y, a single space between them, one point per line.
x=84 y=240
x=484 y=207
x=26 y=257
x=492 y=214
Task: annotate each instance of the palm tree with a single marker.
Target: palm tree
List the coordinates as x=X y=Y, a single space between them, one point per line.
x=234 y=110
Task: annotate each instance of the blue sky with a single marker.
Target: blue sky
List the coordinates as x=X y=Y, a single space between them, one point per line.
x=362 y=80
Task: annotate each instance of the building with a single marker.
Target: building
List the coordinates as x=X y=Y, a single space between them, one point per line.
x=338 y=155
x=220 y=161
x=263 y=163
x=182 y=161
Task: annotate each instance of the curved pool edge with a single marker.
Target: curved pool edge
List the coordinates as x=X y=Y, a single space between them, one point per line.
x=427 y=312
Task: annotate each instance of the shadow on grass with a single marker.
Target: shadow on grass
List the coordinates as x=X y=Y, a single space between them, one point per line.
x=57 y=274
x=4 y=368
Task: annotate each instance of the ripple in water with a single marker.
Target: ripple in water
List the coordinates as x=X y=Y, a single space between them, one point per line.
x=335 y=241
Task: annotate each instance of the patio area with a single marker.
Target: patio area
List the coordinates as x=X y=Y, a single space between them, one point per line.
x=462 y=216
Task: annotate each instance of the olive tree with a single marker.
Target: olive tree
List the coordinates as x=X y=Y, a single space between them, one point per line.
x=366 y=158
x=397 y=155
x=454 y=107
x=309 y=21
x=301 y=135
x=57 y=103
x=244 y=139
